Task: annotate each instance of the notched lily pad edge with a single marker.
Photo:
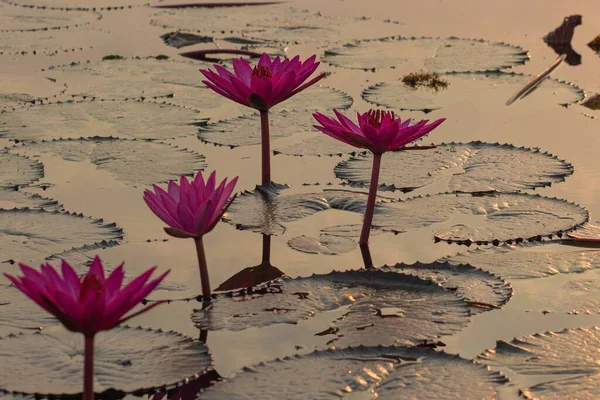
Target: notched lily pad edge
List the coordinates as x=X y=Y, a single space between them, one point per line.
x=114 y=393
x=35 y=102
x=106 y=8
x=38 y=166
x=522 y=52
x=49 y=28
x=569 y=169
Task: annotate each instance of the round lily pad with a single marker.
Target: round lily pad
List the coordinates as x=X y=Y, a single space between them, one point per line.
x=325 y=244
x=483 y=219
x=492 y=88
x=17 y=93
x=49 y=43
x=382 y=307
x=16 y=170
x=22 y=19
x=437 y=54
x=316 y=144
x=127 y=360
x=17 y=199
x=468 y=167
x=31 y=235
x=481 y=290
x=137 y=162
x=79 y=5
x=362 y=372
x=566 y=359
x=19 y=314
x=530 y=261
x=122 y=119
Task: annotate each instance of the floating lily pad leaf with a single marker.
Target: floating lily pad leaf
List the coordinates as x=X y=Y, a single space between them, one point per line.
x=123 y=119
x=18 y=313
x=363 y=372
x=264 y=211
x=245 y=130
x=49 y=43
x=487 y=219
x=382 y=307
x=126 y=359
x=470 y=167
x=14 y=19
x=557 y=356
x=16 y=93
x=85 y=5
x=348 y=231
x=317 y=144
x=530 y=261
x=136 y=162
x=440 y=55
x=482 y=290
x=16 y=199
x=472 y=88
x=16 y=170
x=326 y=244
x=31 y=235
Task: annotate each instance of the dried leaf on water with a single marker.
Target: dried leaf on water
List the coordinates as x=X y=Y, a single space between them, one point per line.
x=137 y=162
x=567 y=359
x=435 y=54
x=560 y=39
x=382 y=307
x=362 y=372
x=127 y=360
x=468 y=167
x=116 y=119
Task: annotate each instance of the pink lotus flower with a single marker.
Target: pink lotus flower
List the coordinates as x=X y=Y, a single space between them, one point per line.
x=377 y=131
x=88 y=305
x=267 y=84
x=191 y=209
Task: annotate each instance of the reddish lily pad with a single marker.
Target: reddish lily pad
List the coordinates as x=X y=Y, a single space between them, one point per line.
x=32 y=235
x=363 y=372
x=468 y=167
x=473 y=88
x=436 y=54
x=567 y=359
x=127 y=360
x=382 y=307
x=137 y=162
x=117 y=119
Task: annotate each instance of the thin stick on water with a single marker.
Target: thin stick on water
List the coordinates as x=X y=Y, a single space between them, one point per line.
x=535 y=82
x=88 y=368
x=368 y=220
x=206 y=294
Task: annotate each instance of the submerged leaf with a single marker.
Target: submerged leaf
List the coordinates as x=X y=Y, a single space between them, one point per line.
x=436 y=54
x=482 y=290
x=382 y=307
x=474 y=88
x=126 y=360
x=326 y=244
x=557 y=356
x=362 y=372
x=136 y=162
x=468 y=167
x=118 y=119
x=32 y=235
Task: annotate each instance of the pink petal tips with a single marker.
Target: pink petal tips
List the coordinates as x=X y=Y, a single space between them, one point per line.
x=264 y=85
x=89 y=304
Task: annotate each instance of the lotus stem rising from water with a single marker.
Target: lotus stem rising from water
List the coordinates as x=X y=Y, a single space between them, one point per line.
x=192 y=209
x=269 y=83
x=377 y=131
x=89 y=304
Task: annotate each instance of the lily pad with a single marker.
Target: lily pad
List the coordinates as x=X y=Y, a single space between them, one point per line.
x=567 y=359
x=481 y=290
x=49 y=43
x=317 y=144
x=589 y=233
x=483 y=219
x=530 y=261
x=437 y=54
x=468 y=167
x=23 y=19
x=326 y=244
x=137 y=162
x=363 y=372
x=382 y=307
x=122 y=119
x=79 y=5
x=492 y=88
x=32 y=235
x=127 y=360
x=17 y=199
x=16 y=170
x=18 y=313
x=17 y=93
